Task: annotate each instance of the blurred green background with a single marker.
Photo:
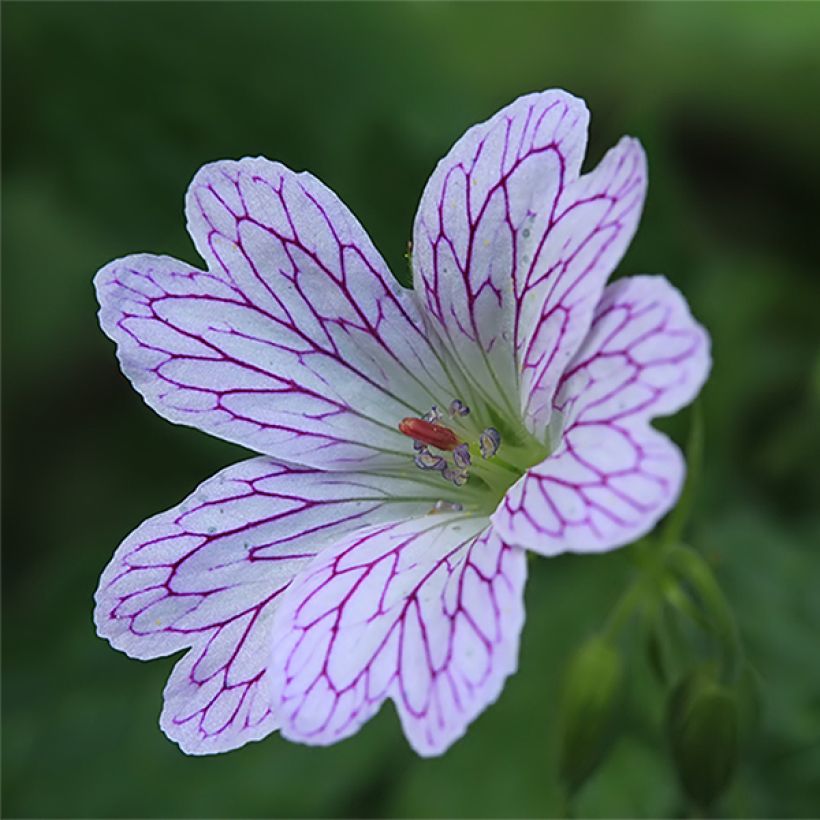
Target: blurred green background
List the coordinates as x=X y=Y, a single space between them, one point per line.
x=109 y=108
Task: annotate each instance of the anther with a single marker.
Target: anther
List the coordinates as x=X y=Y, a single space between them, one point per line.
x=458 y=408
x=458 y=477
x=488 y=442
x=461 y=456
x=447 y=506
x=434 y=435
x=427 y=461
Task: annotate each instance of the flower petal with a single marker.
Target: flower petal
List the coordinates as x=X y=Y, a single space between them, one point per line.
x=469 y=232
x=511 y=248
x=606 y=485
x=424 y=612
x=595 y=219
x=297 y=342
x=612 y=476
x=209 y=574
x=644 y=355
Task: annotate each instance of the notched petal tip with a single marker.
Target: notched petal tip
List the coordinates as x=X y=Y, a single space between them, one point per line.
x=207 y=577
x=385 y=589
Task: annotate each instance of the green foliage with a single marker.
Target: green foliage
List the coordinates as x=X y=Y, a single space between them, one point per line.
x=108 y=110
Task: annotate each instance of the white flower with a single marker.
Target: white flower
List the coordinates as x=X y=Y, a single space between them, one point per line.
x=413 y=443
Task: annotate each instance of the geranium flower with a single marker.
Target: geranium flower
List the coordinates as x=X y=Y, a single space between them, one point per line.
x=414 y=443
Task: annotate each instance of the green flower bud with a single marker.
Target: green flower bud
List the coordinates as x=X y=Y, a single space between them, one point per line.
x=703 y=728
x=591 y=692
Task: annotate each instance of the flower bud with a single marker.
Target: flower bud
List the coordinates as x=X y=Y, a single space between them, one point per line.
x=592 y=687
x=703 y=727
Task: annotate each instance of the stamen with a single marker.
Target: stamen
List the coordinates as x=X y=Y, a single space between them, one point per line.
x=458 y=408
x=434 y=435
x=433 y=415
x=461 y=456
x=489 y=441
x=446 y=506
x=458 y=477
x=428 y=461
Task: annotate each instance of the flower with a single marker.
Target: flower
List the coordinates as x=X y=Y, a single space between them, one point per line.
x=414 y=443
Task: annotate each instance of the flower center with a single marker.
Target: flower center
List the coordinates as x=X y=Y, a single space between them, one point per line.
x=461 y=449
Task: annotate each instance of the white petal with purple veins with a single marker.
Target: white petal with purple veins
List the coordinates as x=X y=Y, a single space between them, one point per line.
x=644 y=355
x=425 y=612
x=612 y=476
x=297 y=342
x=512 y=248
x=606 y=485
x=208 y=575
x=594 y=220
x=477 y=228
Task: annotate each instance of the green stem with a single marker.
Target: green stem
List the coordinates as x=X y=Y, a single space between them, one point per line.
x=625 y=607
x=678 y=518
x=647 y=590
x=691 y=567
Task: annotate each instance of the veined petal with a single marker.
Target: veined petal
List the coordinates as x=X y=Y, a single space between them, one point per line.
x=606 y=485
x=644 y=356
x=208 y=575
x=297 y=342
x=612 y=476
x=479 y=223
x=512 y=248
x=595 y=218
x=425 y=612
